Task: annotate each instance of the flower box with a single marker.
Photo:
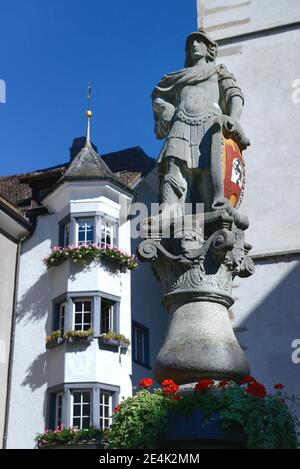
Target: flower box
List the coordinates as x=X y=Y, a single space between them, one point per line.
x=81 y=337
x=80 y=340
x=114 y=340
x=87 y=445
x=85 y=254
x=54 y=343
x=70 y=438
x=113 y=343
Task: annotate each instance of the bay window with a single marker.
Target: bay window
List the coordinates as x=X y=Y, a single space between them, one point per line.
x=82 y=405
x=81 y=230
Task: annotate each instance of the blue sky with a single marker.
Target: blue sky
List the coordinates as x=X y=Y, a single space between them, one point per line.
x=51 y=49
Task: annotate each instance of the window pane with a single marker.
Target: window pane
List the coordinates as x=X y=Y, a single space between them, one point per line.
x=81 y=236
x=78 y=306
x=86 y=410
x=86 y=422
x=87 y=306
x=76 y=411
x=86 y=397
x=77 y=397
x=76 y=423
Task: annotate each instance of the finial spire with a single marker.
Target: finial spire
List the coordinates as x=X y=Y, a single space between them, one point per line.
x=89 y=116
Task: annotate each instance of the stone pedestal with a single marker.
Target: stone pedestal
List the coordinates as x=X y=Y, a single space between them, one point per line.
x=196 y=267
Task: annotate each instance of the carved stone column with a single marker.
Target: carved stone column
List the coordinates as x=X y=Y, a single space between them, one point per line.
x=196 y=270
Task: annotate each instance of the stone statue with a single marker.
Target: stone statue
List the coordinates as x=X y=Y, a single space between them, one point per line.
x=194 y=109
x=197 y=111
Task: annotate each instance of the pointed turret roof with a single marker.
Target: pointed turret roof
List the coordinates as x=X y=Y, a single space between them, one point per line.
x=88 y=165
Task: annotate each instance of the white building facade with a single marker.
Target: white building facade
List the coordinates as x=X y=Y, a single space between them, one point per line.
x=77 y=382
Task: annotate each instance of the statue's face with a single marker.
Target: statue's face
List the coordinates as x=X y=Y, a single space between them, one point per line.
x=198 y=50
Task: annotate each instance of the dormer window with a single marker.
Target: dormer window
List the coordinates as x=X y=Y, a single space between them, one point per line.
x=85 y=231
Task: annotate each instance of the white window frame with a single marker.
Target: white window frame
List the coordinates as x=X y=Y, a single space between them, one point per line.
x=111 y=324
x=58 y=406
x=82 y=300
x=85 y=220
x=81 y=416
x=107 y=229
x=105 y=422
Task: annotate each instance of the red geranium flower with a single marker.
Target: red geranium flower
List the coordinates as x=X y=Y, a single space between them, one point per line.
x=223 y=383
x=203 y=385
x=256 y=390
x=248 y=380
x=117 y=408
x=169 y=386
x=278 y=386
x=146 y=383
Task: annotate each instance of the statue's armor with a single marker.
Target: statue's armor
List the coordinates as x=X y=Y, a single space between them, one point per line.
x=196 y=108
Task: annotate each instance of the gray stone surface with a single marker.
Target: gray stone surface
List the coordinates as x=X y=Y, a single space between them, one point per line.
x=195 y=257
x=193 y=109
x=196 y=277
x=229 y=18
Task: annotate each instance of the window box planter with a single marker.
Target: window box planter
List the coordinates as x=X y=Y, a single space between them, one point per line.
x=80 y=340
x=54 y=343
x=87 y=445
x=70 y=438
x=85 y=254
x=114 y=340
x=81 y=337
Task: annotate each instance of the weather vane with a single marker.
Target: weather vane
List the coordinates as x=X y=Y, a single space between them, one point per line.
x=89 y=115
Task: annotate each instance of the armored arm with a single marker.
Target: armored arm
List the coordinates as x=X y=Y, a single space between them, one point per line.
x=231 y=95
x=163 y=115
x=231 y=103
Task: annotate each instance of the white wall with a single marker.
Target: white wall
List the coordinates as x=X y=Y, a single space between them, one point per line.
x=35 y=369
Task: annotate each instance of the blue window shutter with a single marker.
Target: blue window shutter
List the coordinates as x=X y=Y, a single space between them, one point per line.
x=52 y=411
x=147 y=347
x=133 y=339
x=61 y=235
x=56 y=314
